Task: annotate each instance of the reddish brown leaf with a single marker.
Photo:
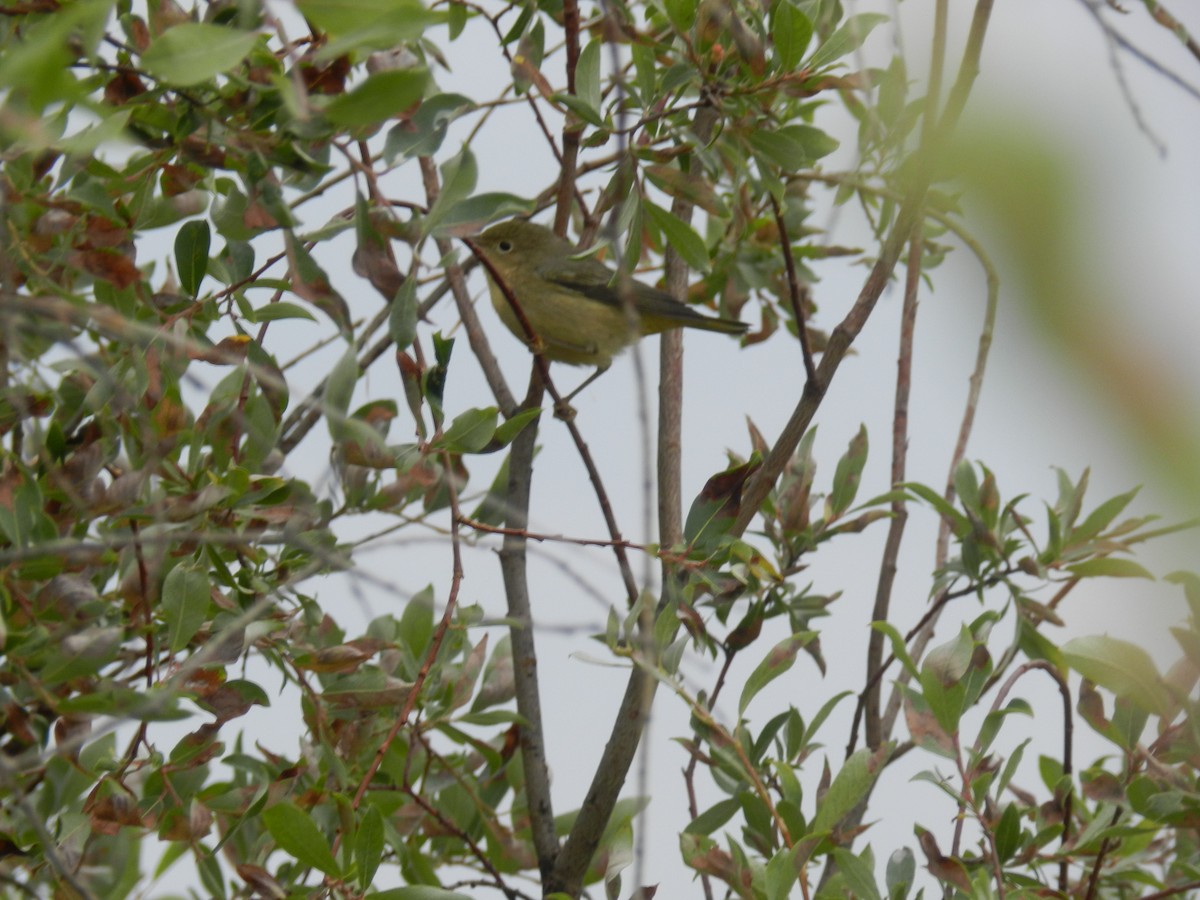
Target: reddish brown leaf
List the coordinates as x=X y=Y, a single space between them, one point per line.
x=260 y=880
x=123 y=87
x=325 y=78
x=115 y=268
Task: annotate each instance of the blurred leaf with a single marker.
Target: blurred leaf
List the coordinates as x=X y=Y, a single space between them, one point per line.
x=357 y=25
x=368 y=846
x=310 y=282
x=402 y=317
x=900 y=874
x=857 y=874
x=792 y=147
x=471 y=214
x=681 y=236
x=1124 y=668
x=339 y=389
x=382 y=96
x=492 y=509
x=459 y=174
x=1109 y=567
x=848 y=38
x=791 y=32
x=282 y=310
x=418 y=892
x=191 y=53
x=422 y=133
x=416 y=622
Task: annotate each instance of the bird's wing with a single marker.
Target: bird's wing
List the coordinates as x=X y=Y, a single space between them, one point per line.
x=588 y=277
x=598 y=282
x=657 y=310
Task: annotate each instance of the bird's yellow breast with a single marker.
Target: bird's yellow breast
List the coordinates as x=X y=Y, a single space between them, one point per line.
x=574 y=329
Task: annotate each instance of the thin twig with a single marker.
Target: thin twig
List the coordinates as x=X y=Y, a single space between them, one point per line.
x=560 y=538
x=795 y=291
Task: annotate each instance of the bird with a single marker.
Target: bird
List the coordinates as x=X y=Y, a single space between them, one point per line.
x=574 y=304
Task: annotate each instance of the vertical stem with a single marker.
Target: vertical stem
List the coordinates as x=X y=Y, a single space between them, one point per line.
x=887 y=569
x=571 y=126
x=516 y=589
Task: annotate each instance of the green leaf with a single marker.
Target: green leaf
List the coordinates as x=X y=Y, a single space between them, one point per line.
x=434 y=379
x=507 y=431
x=682 y=13
x=1124 y=668
x=714 y=817
x=490 y=717
x=296 y=835
x=858 y=875
x=418 y=892
x=850 y=785
x=781 y=873
x=687 y=186
x=339 y=389
x=791 y=30
x=38 y=65
x=849 y=474
x=416 y=622
x=1190 y=582
x=368 y=24
x=339 y=17
x=368 y=848
x=1109 y=567
x=716 y=507
x=492 y=509
x=191 y=254
x=580 y=107
x=282 y=310
x=793 y=147
x=479 y=209
x=459 y=174
x=960 y=523
x=646 y=69
x=587 y=76
x=185 y=599
x=777 y=661
x=191 y=53
x=901 y=871
x=402 y=317
x=423 y=133
x=470 y=431
x=846 y=39
x=1008 y=833
x=382 y=96
x=1101 y=517
x=681 y=236
x=458 y=15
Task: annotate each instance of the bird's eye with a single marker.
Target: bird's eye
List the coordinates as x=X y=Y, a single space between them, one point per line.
x=504 y=246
